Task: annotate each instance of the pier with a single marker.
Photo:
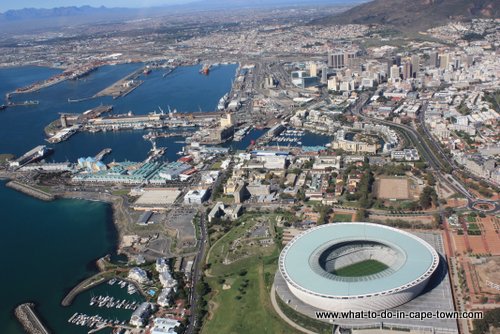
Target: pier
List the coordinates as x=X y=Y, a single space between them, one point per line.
x=123 y=86
x=102 y=154
x=26 y=315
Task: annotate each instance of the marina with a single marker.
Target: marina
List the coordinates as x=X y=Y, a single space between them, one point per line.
x=92 y=321
x=111 y=302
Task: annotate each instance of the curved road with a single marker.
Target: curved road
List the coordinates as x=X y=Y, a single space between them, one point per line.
x=283 y=315
x=428 y=154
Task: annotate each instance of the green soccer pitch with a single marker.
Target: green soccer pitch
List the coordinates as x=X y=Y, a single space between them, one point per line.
x=363 y=268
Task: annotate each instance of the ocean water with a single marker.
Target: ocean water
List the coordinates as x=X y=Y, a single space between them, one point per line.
x=47 y=248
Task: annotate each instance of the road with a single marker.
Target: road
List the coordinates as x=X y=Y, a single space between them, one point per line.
x=197 y=272
x=283 y=315
x=428 y=153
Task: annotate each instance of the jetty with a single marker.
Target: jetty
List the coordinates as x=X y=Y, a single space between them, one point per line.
x=31 y=191
x=102 y=154
x=83 y=286
x=25 y=314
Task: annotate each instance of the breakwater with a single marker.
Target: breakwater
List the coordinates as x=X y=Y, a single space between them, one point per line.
x=25 y=314
x=30 y=190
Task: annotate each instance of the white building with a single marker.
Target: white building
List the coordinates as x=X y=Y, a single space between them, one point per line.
x=138 y=275
x=164 y=325
x=196 y=196
x=141 y=314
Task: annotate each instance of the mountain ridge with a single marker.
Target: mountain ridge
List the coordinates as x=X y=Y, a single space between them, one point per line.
x=414 y=14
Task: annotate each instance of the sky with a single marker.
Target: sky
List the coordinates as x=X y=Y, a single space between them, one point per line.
x=18 y=4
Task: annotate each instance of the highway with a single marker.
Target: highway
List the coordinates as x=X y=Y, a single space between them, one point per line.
x=197 y=273
x=428 y=153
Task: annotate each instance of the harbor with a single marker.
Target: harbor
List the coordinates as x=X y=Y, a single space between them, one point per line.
x=91 y=233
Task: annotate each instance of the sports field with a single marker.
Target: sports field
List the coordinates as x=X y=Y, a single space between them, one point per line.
x=392 y=188
x=363 y=268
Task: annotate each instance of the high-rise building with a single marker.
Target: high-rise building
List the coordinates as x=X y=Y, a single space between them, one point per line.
x=394 y=73
x=407 y=72
x=324 y=75
x=444 y=61
x=415 y=65
x=397 y=60
x=313 y=70
x=433 y=59
x=349 y=58
x=336 y=60
x=332 y=84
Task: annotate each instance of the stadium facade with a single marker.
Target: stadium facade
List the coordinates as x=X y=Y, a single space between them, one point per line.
x=357 y=266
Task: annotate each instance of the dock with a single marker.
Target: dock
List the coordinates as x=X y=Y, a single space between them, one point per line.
x=102 y=154
x=123 y=86
x=25 y=314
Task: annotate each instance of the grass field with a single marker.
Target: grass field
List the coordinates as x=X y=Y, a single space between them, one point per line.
x=239 y=302
x=342 y=217
x=363 y=268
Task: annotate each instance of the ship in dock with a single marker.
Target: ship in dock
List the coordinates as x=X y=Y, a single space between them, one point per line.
x=155 y=153
x=223 y=102
x=36 y=154
x=241 y=133
x=205 y=70
x=63 y=134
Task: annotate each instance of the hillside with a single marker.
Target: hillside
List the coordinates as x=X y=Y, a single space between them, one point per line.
x=415 y=14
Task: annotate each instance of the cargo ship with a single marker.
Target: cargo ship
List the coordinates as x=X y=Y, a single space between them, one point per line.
x=205 y=70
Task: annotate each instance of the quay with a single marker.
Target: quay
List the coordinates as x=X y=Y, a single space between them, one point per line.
x=102 y=154
x=31 y=191
x=123 y=86
x=25 y=314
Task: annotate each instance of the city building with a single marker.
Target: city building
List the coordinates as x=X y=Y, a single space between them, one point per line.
x=164 y=326
x=138 y=275
x=196 y=196
x=141 y=314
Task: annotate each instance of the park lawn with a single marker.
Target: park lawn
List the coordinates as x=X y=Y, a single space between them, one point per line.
x=246 y=306
x=363 y=268
x=342 y=217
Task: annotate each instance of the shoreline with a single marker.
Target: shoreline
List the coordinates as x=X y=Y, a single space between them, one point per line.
x=119 y=214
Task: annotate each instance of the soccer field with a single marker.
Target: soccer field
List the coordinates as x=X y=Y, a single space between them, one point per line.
x=363 y=268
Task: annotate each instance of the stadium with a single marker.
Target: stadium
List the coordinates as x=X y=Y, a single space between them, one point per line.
x=357 y=266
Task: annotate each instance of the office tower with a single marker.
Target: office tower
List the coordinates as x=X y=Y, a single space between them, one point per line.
x=336 y=60
x=444 y=61
x=433 y=59
x=324 y=75
x=407 y=69
x=313 y=70
x=394 y=72
x=415 y=65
